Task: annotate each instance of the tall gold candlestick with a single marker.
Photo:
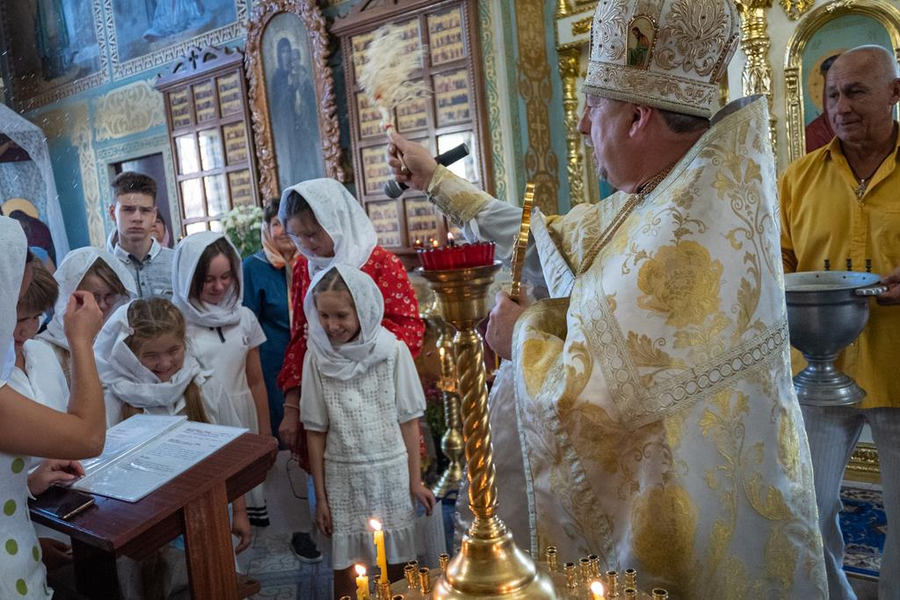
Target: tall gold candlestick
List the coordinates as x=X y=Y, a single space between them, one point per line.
x=489 y=564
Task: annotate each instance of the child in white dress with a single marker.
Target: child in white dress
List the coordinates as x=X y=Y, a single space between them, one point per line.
x=207 y=286
x=360 y=402
x=96 y=272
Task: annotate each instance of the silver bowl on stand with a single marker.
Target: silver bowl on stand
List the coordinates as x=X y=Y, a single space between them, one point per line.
x=827 y=310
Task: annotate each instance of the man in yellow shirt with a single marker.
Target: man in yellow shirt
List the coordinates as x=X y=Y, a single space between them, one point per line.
x=839 y=203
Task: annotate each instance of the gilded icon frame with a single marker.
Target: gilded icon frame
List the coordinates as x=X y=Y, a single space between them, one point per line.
x=880 y=10
x=320 y=50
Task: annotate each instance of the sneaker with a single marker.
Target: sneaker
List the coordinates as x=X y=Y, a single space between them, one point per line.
x=305 y=548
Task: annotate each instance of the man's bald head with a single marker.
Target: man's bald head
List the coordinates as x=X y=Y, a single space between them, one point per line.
x=861 y=91
x=875 y=61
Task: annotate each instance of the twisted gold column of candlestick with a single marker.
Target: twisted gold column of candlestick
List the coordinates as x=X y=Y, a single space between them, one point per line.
x=489 y=564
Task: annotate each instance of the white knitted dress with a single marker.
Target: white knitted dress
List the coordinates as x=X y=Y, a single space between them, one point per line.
x=366 y=470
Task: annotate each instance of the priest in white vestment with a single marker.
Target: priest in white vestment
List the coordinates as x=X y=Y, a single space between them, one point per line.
x=658 y=422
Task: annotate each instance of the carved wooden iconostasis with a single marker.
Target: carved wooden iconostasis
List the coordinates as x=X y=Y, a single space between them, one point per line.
x=785 y=50
x=452 y=113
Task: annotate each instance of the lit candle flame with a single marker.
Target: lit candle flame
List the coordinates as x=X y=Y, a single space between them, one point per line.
x=596 y=591
x=375 y=524
x=434 y=243
x=360 y=570
x=450 y=236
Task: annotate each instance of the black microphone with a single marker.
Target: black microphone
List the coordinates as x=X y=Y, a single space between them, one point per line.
x=394 y=189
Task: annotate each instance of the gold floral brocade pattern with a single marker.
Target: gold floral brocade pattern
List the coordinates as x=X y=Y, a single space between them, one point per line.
x=656 y=407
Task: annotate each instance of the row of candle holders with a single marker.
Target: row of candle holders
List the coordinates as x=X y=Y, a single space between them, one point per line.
x=417 y=578
x=457 y=256
x=582 y=580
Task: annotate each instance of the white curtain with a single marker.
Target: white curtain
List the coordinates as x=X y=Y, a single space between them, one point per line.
x=41 y=186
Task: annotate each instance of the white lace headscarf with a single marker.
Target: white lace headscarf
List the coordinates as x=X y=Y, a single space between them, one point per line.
x=341 y=216
x=373 y=344
x=126 y=378
x=69 y=274
x=184 y=266
x=12 y=268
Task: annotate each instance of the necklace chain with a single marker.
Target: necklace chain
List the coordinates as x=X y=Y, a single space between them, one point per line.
x=633 y=201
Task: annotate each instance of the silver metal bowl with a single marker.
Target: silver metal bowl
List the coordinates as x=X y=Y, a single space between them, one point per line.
x=827 y=310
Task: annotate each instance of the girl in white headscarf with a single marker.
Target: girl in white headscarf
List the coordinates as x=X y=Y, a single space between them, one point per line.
x=360 y=403
x=329 y=227
x=207 y=282
x=96 y=272
x=147 y=366
x=38 y=374
x=30 y=429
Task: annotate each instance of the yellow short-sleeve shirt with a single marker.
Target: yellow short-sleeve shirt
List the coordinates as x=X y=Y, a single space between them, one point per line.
x=822 y=218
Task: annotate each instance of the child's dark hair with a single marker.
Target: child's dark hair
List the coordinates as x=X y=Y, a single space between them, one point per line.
x=332 y=282
x=43 y=291
x=296 y=205
x=106 y=274
x=129 y=182
x=270 y=210
x=220 y=246
x=150 y=318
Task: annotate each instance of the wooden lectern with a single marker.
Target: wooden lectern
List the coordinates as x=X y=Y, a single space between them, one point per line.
x=194 y=504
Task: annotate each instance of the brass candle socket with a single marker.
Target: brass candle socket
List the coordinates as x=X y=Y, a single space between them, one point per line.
x=412 y=576
x=595 y=566
x=630 y=578
x=552 y=558
x=489 y=564
x=383 y=590
x=425 y=580
x=612 y=584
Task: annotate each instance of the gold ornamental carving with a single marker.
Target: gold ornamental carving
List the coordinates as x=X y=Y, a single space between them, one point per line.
x=541 y=162
x=796 y=8
x=582 y=26
x=755 y=42
x=880 y=10
x=127 y=110
x=320 y=48
x=570 y=70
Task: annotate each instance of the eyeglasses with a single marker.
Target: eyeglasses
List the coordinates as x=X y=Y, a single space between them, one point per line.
x=107 y=299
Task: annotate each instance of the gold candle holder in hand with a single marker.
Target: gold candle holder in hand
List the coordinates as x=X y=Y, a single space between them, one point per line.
x=489 y=564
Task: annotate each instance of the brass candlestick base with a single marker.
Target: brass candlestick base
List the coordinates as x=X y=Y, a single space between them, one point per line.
x=489 y=564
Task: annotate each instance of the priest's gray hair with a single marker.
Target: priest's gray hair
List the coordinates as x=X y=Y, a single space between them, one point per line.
x=681 y=123
x=676 y=122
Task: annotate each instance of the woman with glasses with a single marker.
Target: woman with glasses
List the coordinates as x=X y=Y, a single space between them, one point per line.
x=96 y=272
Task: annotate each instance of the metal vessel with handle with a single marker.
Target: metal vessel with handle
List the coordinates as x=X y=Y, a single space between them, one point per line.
x=827 y=310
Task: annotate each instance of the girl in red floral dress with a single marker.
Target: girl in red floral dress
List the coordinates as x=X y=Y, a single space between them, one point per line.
x=330 y=227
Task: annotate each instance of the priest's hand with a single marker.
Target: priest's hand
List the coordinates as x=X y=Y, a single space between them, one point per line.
x=501 y=323
x=892 y=296
x=412 y=162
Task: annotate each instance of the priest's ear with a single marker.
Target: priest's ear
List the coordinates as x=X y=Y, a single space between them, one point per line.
x=641 y=120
